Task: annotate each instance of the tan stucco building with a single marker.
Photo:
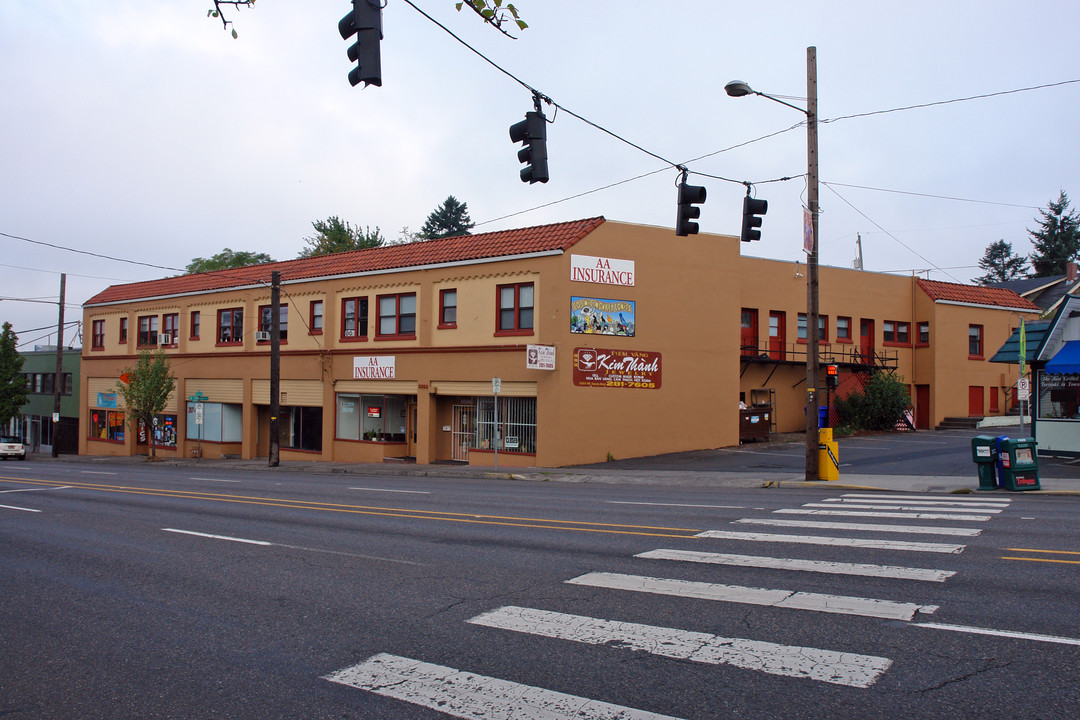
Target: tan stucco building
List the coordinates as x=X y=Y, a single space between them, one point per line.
x=610 y=340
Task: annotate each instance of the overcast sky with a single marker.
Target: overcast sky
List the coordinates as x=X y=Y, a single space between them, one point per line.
x=144 y=131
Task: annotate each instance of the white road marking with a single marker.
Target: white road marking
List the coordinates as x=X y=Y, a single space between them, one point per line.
x=973 y=499
x=895 y=506
x=834 y=568
x=883 y=514
x=214 y=480
x=1001 y=633
x=13 y=507
x=842 y=542
x=840 y=668
x=468 y=695
x=928 y=504
x=41 y=489
x=867 y=527
x=217 y=537
x=789 y=599
x=96 y=472
x=724 y=507
x=410 y=492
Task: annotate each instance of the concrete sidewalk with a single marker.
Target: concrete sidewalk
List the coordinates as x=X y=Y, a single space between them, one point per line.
x=743 y=479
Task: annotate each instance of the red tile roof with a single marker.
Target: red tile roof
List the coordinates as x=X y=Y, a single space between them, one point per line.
x=504 y=243
x=975 y=295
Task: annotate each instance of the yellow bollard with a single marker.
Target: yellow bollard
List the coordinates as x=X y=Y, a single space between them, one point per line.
x=828 y=456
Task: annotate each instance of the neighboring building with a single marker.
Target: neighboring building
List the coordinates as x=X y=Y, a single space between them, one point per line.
x=1056 y=370
x=611 y=340
x=34 y=423
x=1046 y=292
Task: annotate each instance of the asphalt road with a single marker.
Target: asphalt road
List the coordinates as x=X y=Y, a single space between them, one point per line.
x=139 y=591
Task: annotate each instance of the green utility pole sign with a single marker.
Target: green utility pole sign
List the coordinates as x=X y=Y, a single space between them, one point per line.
x=198 y=399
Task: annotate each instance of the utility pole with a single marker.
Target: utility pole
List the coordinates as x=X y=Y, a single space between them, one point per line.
x=58 y=381
x=812 y=269
x=275 y=365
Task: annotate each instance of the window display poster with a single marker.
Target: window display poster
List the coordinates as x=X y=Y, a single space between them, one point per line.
x=596 y=316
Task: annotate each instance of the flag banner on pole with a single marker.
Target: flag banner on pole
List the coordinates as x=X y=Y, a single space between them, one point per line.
x=807 y=231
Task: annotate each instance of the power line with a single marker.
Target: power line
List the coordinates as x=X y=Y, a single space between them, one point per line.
x=92 y=254
x=929 y=195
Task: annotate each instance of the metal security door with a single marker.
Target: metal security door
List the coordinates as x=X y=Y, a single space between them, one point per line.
x=463 y=436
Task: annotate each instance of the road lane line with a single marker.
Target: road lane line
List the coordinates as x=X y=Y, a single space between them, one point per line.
x=884 y=514
x=1045 y=560
x=217 y=537
x=410 y=492
x=954 y=504
x=214 y=479
x=1054 y=552
x=62 y=487
x=464 y=694
x=870 y=527
x=972 y=500
x=841 y=542
x=839 y=668
x=1000 y=633
x=687 y=505
x=97 y=472
x=894 y=572
x=13 y=507
x=908 y=508
x=788 y=599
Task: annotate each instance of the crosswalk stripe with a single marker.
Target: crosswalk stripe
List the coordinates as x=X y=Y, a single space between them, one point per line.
x=884 y=514
x=894 y=572
x=874 y=544
x=789 y=599
x=839 y=668
x=464 y=694
x=952 y=503
x=971 y=500
x=864 y=527
x=895 y=506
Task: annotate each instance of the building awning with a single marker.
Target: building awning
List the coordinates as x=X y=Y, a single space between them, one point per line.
x=1010 y=351
x=1066 y=361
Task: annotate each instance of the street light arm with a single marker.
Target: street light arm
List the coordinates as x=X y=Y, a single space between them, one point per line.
x=796 y=107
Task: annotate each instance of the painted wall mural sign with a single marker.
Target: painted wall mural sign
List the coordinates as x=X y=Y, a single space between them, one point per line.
x=595 y=367
x=596 y=316
x=374 y=367
x=605 y=271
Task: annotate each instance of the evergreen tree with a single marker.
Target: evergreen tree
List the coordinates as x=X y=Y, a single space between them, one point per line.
x=147 y=391
x=335 y=235
x=227 y=258
x=449 y=219
x=1001 y=264
x=1057 y=241
x=13 y=393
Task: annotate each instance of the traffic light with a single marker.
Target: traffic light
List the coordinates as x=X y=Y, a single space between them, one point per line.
x=831 y=376
x=365 y=21
x=533 y=132
x=751 y=208
x=689 y=197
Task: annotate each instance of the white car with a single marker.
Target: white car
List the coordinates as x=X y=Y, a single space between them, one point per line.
x=12 y=447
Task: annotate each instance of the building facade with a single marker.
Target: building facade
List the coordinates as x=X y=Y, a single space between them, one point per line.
x=607 y=340
x=34 y=424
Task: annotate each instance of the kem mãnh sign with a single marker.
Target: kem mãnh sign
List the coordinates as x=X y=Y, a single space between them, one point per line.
x=617 y=368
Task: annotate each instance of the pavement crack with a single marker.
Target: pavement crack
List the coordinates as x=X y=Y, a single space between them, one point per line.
x=991 y=665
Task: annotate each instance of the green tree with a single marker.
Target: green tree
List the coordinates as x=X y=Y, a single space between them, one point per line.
x=880 y=406
x=226 y=259
x=147 y=392
x=1001 y=264
x=13 y=394
x=448 y=220
x=334 y=235
x=1057 y=241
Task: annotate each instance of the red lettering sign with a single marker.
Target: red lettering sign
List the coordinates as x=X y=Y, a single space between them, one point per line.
x=596 y=367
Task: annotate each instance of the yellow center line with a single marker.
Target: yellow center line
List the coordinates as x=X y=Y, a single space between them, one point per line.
x=1055 y=552
x=472 y=518
x=1045 y=560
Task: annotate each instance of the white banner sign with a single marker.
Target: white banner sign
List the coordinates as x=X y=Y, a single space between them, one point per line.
x=373 y=367
x=605 y=271
x=540 y=357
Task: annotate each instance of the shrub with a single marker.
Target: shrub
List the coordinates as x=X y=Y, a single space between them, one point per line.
x=880 y=405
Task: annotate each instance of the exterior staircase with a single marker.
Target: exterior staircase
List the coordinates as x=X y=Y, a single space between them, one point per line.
x=959 y=423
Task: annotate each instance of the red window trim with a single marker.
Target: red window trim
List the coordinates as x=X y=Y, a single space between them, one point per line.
x=176 y=335
x=266 y=343
x=442 y=296
x=848 y=340
x=341 y=325
x=311 y=317
x=191 y=322
x=886 y=342
x=982 y=343
x=217 y=335
x=124 y=333
x=397 y=317
x=515 y=331
x=139 y=345
x=915 y=337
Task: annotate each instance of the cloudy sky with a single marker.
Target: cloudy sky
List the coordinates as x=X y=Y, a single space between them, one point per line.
x=145 y=132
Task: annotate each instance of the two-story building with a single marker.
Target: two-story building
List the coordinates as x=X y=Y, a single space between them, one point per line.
x=35 y=423
x=609 y=340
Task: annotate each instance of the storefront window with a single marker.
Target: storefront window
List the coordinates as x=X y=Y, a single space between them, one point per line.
x=221 y=423
x=375 y=418
x=1059 y=397
x=300 y=428
x=164 y=431
x=107 y=425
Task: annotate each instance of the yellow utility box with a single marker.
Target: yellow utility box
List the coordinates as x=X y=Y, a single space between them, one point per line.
x=828 y=456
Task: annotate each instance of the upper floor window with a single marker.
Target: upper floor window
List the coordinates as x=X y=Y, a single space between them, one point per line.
x=231 y=326
x=975 y=341
x=843 y=329
x=196 y=320
x=447 y=309
x=800 y=328
x=266 y=320
x=148 y=327
x=123 y=329
x=515 y=309
x=354 y=318
x=97 y=336
x=823 y=328
x=170 y=326
x=315 y=318
x=924 y=333
x=397 y=316
x=896 y=333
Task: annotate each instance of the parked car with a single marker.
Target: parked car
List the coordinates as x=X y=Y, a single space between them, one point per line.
x=12 y=447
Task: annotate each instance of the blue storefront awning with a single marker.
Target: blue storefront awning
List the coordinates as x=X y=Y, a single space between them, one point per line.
x=1066 y=361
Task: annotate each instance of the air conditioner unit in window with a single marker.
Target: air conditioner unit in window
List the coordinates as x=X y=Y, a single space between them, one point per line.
x=165 y=339
x=262 y=336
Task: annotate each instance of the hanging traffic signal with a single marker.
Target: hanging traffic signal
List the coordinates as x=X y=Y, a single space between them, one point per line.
x=751 y=208
x=689 y=197
x=533 y=132
x=365 y=21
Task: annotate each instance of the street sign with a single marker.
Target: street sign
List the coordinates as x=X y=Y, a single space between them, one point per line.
x=496 y=386
x=198 y=413
x=1023 y=389
x=198 y=397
